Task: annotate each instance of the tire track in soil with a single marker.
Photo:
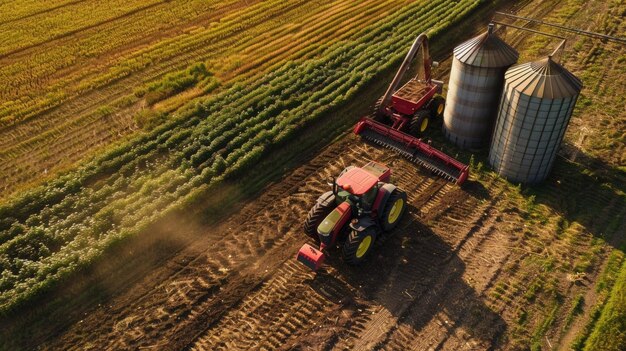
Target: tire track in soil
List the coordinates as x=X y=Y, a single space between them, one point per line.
x=268 y=331
x=446 y=332
x=389 y=328
x=268 y=317
x=188 y=293
x=241 y=289
x=273 y=326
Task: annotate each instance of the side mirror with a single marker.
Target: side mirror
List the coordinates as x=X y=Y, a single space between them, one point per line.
x=332 y=183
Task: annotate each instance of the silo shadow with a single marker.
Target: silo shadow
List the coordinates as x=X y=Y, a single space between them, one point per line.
x=588 y=191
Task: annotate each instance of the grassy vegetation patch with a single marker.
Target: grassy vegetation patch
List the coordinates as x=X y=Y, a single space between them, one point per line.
x=602 y=324
x=609 y=333
x=177 y=82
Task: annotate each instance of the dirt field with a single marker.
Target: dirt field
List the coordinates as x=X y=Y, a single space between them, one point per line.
x=245 y=290
x=472 y=268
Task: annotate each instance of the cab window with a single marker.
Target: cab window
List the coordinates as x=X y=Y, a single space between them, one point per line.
x=369 y=197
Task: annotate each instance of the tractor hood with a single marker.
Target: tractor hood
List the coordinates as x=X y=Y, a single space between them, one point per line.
x=357 y=181
x=333 y=223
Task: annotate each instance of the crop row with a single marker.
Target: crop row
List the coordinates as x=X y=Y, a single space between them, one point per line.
x=26 y=158
x=48 y=233
x=41 y=28
x=25 y=77
x=28 y=8
x=183 y=49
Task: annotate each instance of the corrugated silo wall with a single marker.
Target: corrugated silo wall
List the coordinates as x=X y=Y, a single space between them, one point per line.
x=527 y=135
x=471 y=106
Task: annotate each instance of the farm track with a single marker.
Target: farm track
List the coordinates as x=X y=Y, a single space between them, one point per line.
x=245 y=291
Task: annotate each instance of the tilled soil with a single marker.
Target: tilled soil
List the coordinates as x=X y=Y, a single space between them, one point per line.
x=422 y=288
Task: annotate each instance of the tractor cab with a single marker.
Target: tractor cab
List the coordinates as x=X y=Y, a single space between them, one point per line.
x=360 y=185
x=357 y=186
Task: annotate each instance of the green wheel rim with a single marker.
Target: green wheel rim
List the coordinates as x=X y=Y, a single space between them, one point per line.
x=424 y=124
x=394 y=214
x=364 y=246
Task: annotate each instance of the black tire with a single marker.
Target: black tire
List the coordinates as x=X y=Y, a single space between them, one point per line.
x=376 y=108
x=316 y=215
x=419 y=122
x=391 y=217
x=352 y=248
x=377 y=116
x=437 y=106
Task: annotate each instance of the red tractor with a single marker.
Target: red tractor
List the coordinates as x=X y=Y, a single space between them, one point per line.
x=361 y=206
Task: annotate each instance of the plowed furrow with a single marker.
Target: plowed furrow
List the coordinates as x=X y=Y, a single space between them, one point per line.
x=276 y=312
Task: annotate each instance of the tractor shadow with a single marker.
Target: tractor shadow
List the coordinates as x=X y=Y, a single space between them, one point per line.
x=418 y=278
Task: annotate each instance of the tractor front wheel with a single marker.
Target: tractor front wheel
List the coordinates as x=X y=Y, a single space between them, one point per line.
x=394 y=209
x=359 y=245
x=316 y=216
x=419 y=122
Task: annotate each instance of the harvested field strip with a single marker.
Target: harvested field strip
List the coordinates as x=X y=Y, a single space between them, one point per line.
x=9 y=12
x=122 y=66
x=299 y=46
x=21 y=36
x=219 y=48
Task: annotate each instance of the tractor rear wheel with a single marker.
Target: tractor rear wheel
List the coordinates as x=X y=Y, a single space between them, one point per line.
x=437 y=105
x=419 y=122
x=394 y=209
x=359 y=245
x=316 y=216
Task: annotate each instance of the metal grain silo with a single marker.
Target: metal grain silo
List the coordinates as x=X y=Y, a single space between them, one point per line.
x=535 y=108
x=476 y=80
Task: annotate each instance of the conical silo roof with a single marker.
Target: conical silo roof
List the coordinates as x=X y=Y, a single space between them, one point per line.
x=543 y=79
x=486 y=50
